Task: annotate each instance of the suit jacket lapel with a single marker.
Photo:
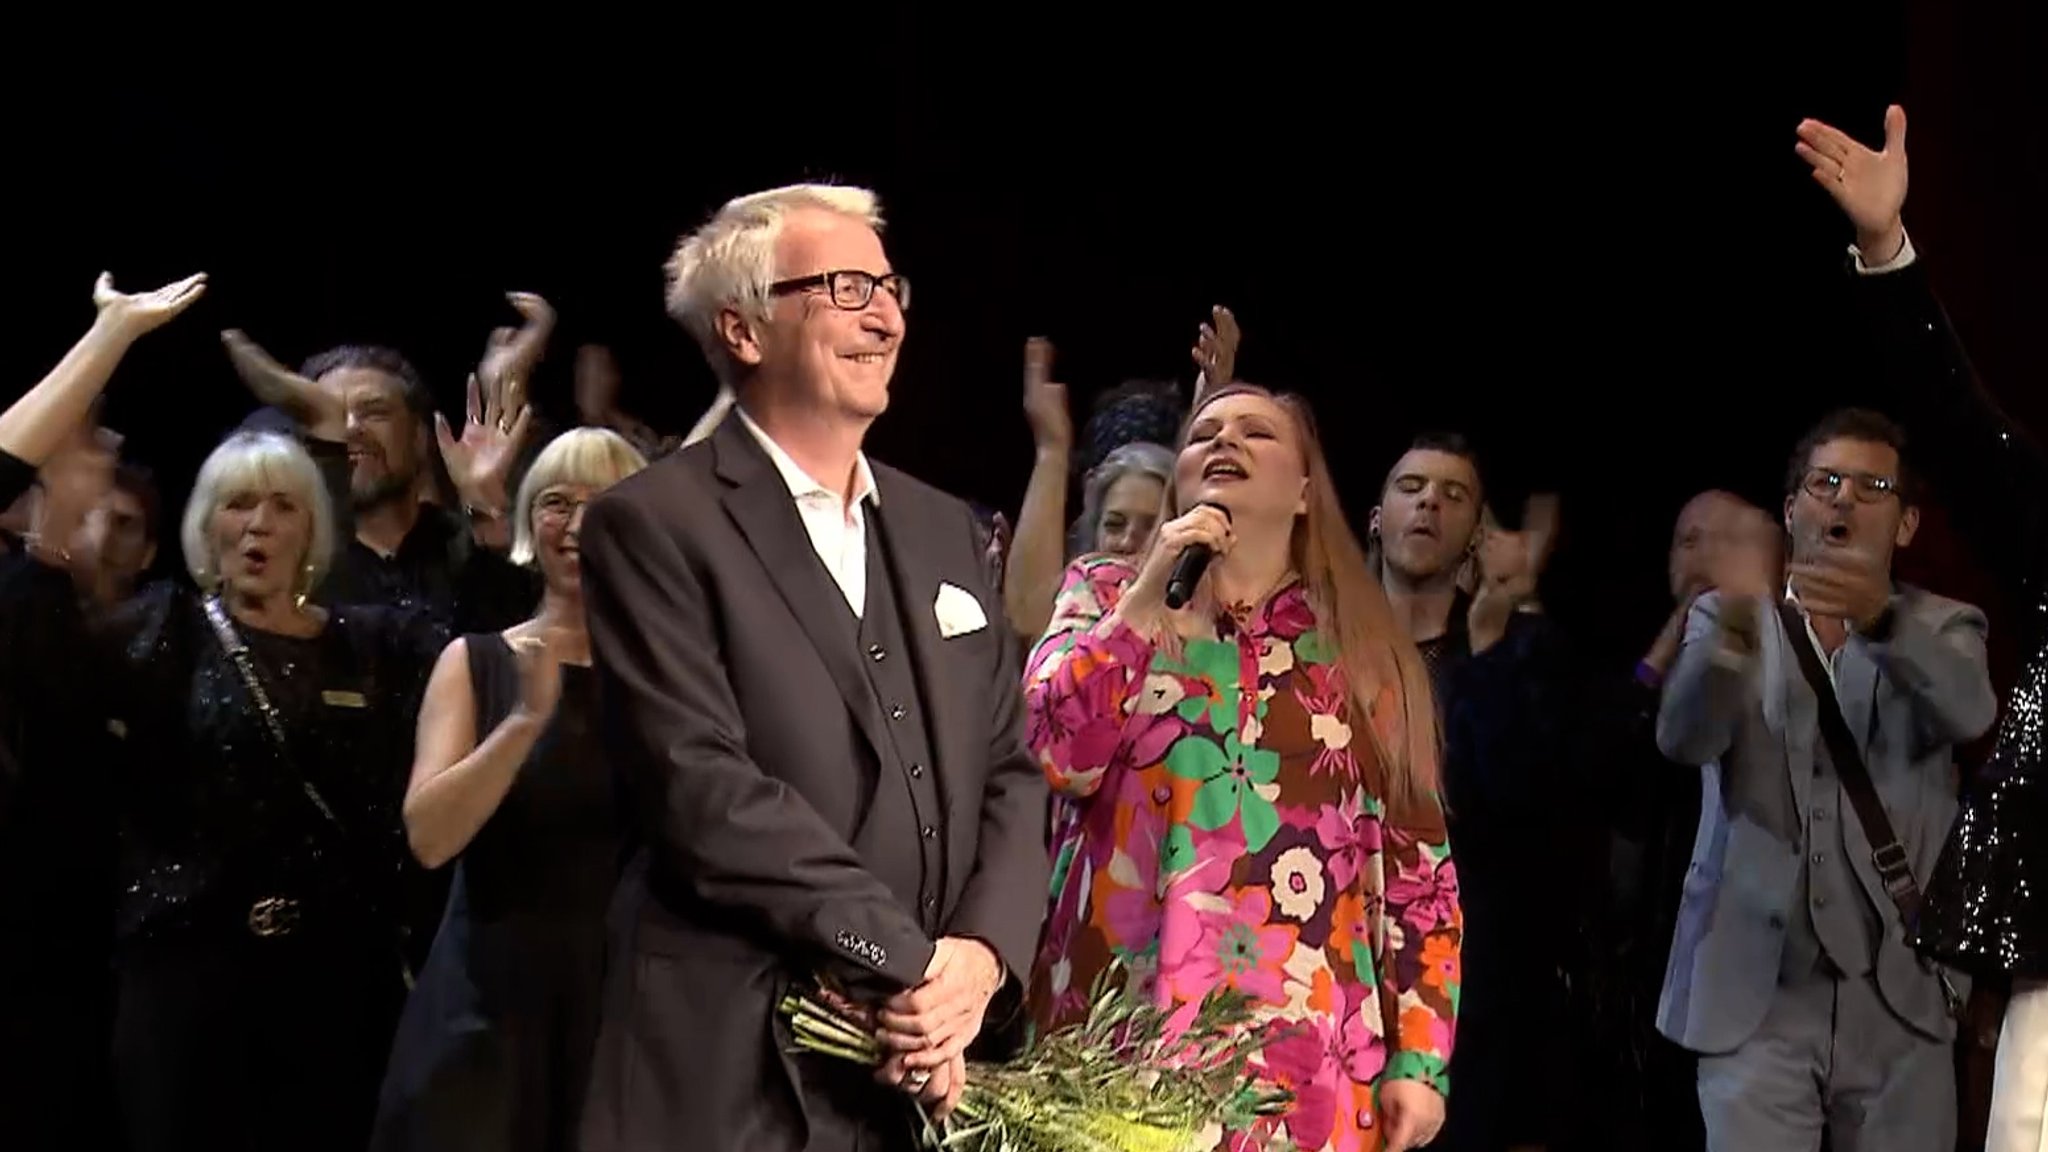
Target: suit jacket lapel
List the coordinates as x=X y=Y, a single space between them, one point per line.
x=759 y=502
x=1785 y=680
x=1856 y=676
x=916 y=575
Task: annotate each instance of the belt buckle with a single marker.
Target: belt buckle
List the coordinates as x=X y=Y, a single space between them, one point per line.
x=273 y=916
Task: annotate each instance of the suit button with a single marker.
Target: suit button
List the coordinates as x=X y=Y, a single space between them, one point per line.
x=931 y=833
x=1820 y=857
x=895 y=711
x=916 y=771
x=931 y=902
x=877 y=653
x=1820 y=901
x=1820 y=813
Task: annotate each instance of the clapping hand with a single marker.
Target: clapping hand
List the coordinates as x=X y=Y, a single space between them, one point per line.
x=511 y=354
x=1045 y=401
x=1870 y=186
x=1847 y=584
x=133 y=315
x=1215 y=351
x=480 y=460
x=1510 y=565
x=540 y=673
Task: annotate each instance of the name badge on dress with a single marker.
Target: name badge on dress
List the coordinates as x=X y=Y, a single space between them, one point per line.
x=335 y=698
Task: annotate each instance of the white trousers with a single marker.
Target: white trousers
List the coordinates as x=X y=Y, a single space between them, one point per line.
x=2019 y=1086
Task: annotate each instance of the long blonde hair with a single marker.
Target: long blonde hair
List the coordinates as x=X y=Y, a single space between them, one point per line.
x=1375 y=652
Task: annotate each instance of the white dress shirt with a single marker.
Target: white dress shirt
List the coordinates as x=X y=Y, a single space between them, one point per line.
x=838 y=527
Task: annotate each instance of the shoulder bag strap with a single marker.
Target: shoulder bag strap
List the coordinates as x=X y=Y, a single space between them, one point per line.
x=273 y=723
x=1894 y=867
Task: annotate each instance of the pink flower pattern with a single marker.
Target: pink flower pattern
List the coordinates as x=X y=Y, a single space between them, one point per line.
x=1335 y=1028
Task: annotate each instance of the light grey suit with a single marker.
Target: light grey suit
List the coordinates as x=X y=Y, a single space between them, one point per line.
x=1789 y=971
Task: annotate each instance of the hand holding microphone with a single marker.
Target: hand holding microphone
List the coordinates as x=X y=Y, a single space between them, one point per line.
x=1182 y=550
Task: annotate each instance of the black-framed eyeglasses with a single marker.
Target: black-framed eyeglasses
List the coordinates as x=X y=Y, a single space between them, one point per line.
x=848 y=288
x=1867 y=487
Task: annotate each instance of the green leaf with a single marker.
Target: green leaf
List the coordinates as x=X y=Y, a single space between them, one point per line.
x=1261 y=821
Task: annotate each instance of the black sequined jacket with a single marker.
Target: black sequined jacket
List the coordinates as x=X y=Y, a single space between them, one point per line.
x=1986 y=909
x=212 y=819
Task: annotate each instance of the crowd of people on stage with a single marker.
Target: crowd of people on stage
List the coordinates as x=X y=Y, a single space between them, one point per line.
x=486 y=787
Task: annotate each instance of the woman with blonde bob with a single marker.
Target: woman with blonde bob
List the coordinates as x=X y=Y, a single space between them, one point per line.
x=509 y=779
x=258 y=949
x=1255 y=776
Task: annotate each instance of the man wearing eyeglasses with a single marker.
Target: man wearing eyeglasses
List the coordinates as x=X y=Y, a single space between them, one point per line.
x=1824 y=713
x=816 y=720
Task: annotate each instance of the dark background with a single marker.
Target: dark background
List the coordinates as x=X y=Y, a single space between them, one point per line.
x=1583 y=237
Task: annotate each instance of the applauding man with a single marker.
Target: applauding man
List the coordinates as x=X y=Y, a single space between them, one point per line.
x=808 y=687
x=1825 y=713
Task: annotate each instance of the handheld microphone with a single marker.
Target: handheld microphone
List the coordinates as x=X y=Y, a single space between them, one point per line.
x=1187 y=570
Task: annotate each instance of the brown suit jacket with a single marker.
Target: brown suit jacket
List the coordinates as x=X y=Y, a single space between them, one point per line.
x=735 y=707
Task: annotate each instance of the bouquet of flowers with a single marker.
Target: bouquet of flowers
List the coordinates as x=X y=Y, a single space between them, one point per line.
x=1119 y=1081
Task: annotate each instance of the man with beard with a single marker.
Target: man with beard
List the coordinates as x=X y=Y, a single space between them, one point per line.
x=1789 y=973
x=408 y=547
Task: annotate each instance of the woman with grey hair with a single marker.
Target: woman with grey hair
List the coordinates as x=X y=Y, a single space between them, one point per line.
x=509 y=779
x=265 y=740
x=1121 y=498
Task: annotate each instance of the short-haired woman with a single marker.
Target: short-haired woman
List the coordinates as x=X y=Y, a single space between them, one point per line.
x=509 y=778
x=258 y=956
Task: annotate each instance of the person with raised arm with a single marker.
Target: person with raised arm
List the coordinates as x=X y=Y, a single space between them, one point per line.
x=368 y=408
x=1985 y=908
x=36 y=425
x=56 y=842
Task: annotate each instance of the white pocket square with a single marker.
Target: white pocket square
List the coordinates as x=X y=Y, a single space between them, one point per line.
x=957 y=611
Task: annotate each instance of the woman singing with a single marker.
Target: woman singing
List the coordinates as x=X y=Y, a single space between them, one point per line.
x=495 y=1045
x=1255 y=778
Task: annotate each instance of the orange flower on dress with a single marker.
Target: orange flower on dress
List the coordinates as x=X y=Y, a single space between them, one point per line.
x=1442 y=965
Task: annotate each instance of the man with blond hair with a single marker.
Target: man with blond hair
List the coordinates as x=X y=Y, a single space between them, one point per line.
x=817 y=724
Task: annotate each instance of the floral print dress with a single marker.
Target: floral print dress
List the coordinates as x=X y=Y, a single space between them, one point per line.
x=1219 y=822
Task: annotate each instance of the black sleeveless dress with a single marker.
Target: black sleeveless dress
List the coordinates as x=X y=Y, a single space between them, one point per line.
x=494 y=1049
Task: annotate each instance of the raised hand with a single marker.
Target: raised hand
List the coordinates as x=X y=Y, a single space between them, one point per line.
x=1869 y=186
x=1045 y=402
x=323 y=411
x=1744 y=551
x=1509 y=567
x=480 y=460
x=132 y=315
x=597 y=385
x=1215 y=350
x=511 y=354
